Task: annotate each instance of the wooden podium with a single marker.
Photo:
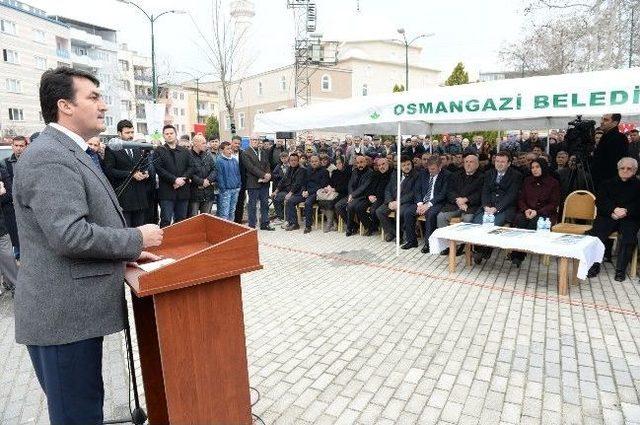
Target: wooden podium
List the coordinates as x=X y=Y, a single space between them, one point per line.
x=190 y=324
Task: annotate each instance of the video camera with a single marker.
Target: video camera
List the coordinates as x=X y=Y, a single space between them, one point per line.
x=580 y=137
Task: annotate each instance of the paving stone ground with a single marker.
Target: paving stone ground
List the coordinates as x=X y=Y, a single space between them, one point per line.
x=341 y=331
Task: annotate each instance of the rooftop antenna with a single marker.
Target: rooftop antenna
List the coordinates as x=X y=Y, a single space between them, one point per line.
x=358 y=6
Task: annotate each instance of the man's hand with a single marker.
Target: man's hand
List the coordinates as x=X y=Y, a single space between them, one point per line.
x=139 y=176
x=620 y=212
x=180 y=181
x=490 y=210
x=152 y=235
x=267 y=177
x=274 y=193
x=530 y=214
x=422 y=209
x=145 y=257
x=372 y=198
x=3 y=190
x=349 y=199
x=288 y=196
x=305 y=193
x=206 y=183
x=393 y=205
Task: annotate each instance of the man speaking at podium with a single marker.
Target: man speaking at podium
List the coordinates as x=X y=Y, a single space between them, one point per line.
x=74 y=245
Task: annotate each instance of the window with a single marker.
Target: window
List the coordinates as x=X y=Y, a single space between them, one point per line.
x=182 y=112
x=108 y=100
x=227 y=123
x=175 y=95
x=16 y=114
x=175 y=111
x=124 y=65
x=39 y=36
x=80 y=51
x=10 y=56
x=7 y=27
x=365 y=89
x=108 y=121
x=126 y=85
x=40 y=117
x=239 y=93
x=126 y=105
x=260 y=90
x=241 y=120
x=142 y=128
x=259 y=111
x=13 y=86
x=41 y=63
x=64 y=64
x=283 y=83
x=325 y=83
x=181 y=96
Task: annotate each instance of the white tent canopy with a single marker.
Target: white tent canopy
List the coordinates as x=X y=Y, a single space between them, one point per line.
x=535 y=102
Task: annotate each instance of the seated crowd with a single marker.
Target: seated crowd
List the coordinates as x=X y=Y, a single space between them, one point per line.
x=353 y=183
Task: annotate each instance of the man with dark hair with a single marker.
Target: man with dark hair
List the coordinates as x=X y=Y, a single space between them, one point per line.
x=375 y=193
x=430 y=195
x=173 y=166
x=131 y=191
x=258 y=177
x=237 y=154
x=74 y=248
x=316 y=178
x=500 y=191
x=291 y=184
x=613 y=146
x=348 y=207
x=407 y=182
x=18 y=145
x=634 y=144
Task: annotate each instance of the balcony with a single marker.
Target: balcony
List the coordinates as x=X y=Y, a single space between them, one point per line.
x=141 y=116
x=63 y=53
x=144 y=96
x=145 y=78
x=85 y=60
x=85 y=37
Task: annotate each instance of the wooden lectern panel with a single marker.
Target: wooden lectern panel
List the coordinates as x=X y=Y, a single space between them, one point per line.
x=202 y=341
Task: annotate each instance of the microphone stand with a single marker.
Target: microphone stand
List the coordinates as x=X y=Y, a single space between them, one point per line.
x=138 y=415
x=120 y=189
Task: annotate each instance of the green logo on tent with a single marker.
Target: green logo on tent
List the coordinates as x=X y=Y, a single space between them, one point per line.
x=375 y=115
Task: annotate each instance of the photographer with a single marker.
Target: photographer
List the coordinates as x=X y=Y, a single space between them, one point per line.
x=612 y=148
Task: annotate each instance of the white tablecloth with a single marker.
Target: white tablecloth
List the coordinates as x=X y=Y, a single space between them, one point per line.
x=586 y=249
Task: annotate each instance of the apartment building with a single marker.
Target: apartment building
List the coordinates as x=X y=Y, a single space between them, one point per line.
x=188 y=104
x=30 y=43
x=136 y=87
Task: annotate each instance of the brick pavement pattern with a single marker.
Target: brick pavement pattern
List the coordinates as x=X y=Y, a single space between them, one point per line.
x=340 y=331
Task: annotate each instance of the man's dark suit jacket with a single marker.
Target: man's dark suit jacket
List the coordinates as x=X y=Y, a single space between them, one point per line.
x=293 y=181
x=359 y=182
x=255 y=168
x=171 y=164
x=439 y=189
x=613 y=146
x=407 y=187
x=119 y=164
x=463 y=186
x=503 y=195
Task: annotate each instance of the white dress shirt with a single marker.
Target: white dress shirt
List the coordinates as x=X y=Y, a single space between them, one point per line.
x=76 y=138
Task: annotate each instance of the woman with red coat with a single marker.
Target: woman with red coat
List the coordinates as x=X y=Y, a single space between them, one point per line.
x=539 y=197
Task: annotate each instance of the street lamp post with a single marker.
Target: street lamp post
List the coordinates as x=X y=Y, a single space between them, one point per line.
x=406 y=43
x=152 y=19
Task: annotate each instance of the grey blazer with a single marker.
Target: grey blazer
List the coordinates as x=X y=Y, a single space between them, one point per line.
x=73 y=245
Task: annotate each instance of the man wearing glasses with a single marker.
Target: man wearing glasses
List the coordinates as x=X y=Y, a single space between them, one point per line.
x=618 y=203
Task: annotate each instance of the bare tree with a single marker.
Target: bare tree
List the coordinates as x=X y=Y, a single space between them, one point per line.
x=223 y=45
x=574 y=36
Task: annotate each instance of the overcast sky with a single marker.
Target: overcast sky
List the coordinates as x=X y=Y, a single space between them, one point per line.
x=464 y=30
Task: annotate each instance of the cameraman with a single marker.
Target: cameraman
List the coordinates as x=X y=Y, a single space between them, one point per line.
x=612 y=148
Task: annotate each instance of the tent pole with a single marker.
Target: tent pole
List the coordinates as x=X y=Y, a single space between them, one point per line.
x=398 y=176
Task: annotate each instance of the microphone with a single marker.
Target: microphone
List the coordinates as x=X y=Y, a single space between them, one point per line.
x=117 y=144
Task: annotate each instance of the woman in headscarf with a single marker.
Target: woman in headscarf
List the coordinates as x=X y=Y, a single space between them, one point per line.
x=539 y=197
